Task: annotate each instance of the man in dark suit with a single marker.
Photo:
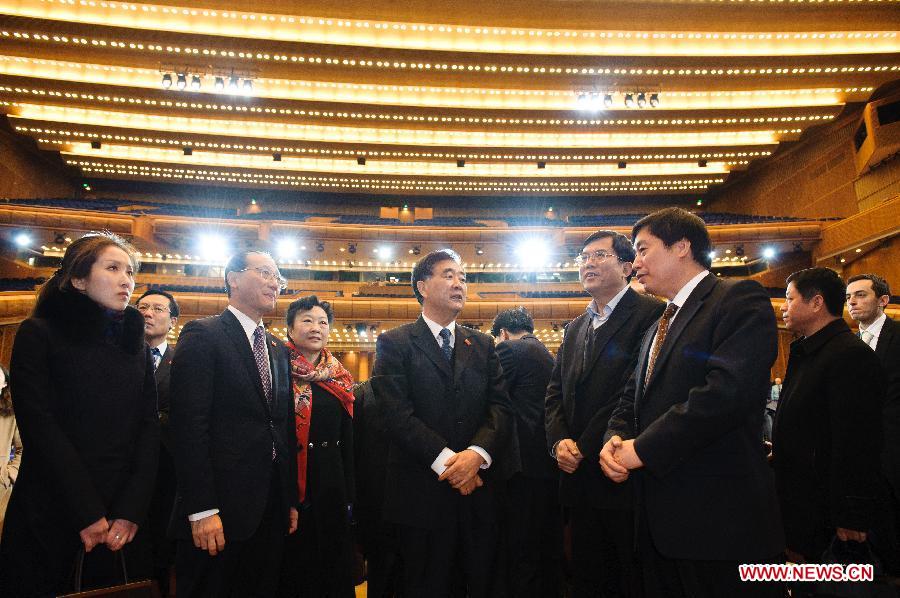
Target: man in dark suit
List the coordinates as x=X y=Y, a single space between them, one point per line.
x=531 y=529
x=688 y=424
x=160 y=311
x=598 y=353
x=448 y=419
x=232 y=420
x=827 y=437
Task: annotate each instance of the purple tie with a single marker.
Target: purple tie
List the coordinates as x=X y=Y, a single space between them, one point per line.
x=262 y=364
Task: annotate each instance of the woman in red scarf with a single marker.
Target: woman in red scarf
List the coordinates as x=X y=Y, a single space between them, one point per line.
x=318 y=559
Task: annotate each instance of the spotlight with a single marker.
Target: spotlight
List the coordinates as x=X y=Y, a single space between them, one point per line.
x=739 y=250
x=219 y=84
x=248 y=86
x=607 y=100
x=479 y=250
x=167 y=81
x=59 y=239
x=361 y=160
x=95 y=145
x=622 y=164
x=629 y=100
x=460 y=163
x=701 y=163
x=416 y=250
x=212 y=246
x=181 y=83
x=654 y=100
x=384 y=252
x=320 y=246
x=276 y=156
x=233 y=84
x=768 y=253
x=22 y=240
x=188 y=151
x=595 y=102
x=582 y=101
x=532 y=252
x=542 y=165
x=798 y=246
x=641 y=100
x=195 y=82
x=351 y=247
x=286 y=248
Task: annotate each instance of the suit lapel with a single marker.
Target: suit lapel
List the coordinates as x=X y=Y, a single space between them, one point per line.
x=165 y=365
x=422 y=338
x=462 y=351
x=620 y=315
x=643 y=356
x=276 y=366
x=237 y=336
x=884 y=339
x=682 y=318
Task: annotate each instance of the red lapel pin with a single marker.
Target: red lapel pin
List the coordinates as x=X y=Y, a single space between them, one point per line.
x=468 y=342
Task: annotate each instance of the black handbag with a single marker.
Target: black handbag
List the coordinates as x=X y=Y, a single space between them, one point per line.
x=137 y=589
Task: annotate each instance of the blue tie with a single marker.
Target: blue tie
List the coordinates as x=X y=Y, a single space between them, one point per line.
x=445 y=344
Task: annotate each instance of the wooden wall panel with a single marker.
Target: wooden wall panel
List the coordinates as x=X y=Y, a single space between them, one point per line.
x=27 y=172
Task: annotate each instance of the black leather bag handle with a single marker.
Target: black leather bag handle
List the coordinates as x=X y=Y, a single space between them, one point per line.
x=79 y=567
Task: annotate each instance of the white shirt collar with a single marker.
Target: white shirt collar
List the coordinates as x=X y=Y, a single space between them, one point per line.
x=609 y=307
x=246 y=322
x=161 y=347
x=685 y=292
x=435 y=329
x=875 y=327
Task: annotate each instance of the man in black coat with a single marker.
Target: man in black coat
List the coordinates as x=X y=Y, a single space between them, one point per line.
x=531 y=530
x=827 y=437
x=160 y=311
x=232 y=420
x=448 y=418
x=688 y=424
x=597 y=355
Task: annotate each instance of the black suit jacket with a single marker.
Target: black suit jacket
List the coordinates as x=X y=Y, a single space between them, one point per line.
x=705 y=488
x=429 y=404
x=223 y=430
x=526 y=366
x=581 y=396
x=888 y=350
x=827 y=437
x=163 y=376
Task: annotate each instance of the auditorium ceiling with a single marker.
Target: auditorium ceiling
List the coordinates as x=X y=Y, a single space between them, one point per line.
x=550 y=97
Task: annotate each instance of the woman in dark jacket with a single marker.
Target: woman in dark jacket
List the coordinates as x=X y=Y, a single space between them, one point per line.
x=85 y=400
x=318 y=559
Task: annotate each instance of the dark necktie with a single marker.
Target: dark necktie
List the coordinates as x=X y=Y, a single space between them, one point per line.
x=157 y=357
x=259 y=353
x=445 y=343
x=661 y=331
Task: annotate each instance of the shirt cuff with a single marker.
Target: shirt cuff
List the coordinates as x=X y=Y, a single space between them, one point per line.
x=203 y=515
x=438 y=465
x=484 y=455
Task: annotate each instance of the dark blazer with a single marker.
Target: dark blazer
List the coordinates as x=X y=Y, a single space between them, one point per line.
x=581 y=396
x=163 y=377
x=526 y=366
x=86 y=409
x=431 y=404
x=888 y=350
x=827 y=438
x=705 y=488
x=223 y=429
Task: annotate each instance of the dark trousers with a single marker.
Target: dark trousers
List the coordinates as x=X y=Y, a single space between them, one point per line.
x=531 y=538
x=604 y=562
x=244 y=569
x=466 y=545
x=158 y=521
x=382 y=561
x=678 y=578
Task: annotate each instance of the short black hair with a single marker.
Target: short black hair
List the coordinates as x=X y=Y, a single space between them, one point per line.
x=237 y=263
x=515 y=320
x=424 y=268
x=821 y=281
x=879 y=285
x=621 y=246
x=306 y=304
x=674 y=224
x=174 y=310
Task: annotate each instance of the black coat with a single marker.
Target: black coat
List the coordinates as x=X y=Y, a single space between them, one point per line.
x=888 y=351
x=223 y=430
x=581 y=397
x=86 y=410
x=827 y=438
x=705 y=488
x=429 y=404
x=526 y=366
x=163 y=377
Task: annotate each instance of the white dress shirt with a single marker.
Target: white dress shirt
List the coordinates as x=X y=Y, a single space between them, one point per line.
x=249 y=327
x=679 y=300
x=162 y=348
x=600 y=316
x=874 y=329
x=438 y=464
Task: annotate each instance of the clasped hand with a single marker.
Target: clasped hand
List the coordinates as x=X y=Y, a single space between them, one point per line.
x=617 y=458
x=115 y=535
x=462 y=471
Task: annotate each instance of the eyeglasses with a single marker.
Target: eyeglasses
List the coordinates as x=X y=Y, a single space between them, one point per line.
x=270 y=276
x=600 y=255
x=145 y=307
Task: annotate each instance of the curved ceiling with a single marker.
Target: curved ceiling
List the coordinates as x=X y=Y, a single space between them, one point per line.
x=447 y=98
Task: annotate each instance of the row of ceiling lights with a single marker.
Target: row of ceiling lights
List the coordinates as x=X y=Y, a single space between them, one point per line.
x=180 y=82
x=594 y=100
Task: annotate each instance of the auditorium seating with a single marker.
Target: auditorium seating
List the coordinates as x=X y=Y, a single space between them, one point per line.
x=20 y=284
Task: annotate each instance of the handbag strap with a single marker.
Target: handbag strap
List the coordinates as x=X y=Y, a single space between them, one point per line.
x=79 y=566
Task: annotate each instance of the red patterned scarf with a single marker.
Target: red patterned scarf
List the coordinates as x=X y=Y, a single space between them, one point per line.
x=330 y=375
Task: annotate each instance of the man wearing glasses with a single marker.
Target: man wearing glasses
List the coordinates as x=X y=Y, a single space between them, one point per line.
x=232 y=419
x=598 y=352
x=160 y=311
